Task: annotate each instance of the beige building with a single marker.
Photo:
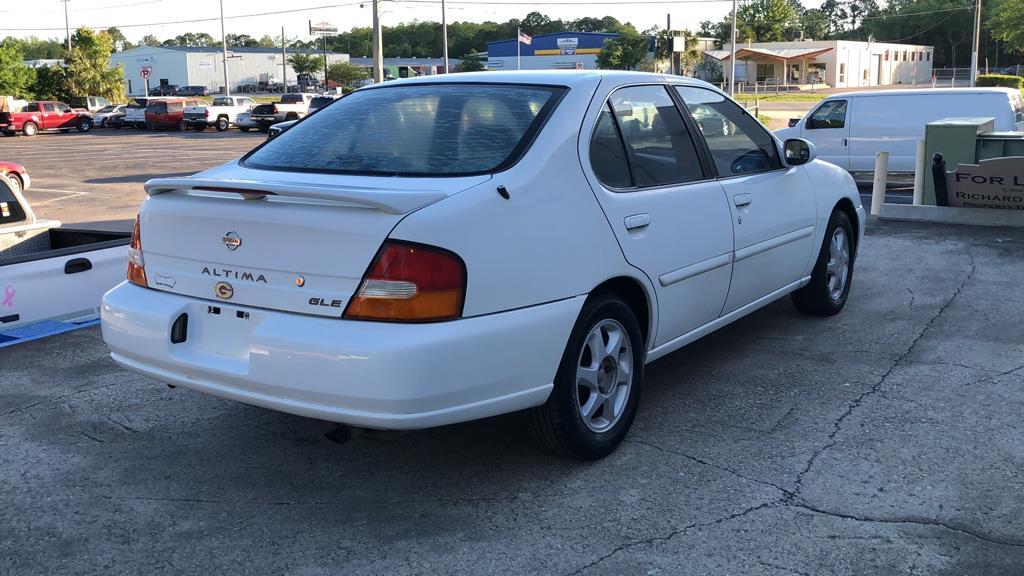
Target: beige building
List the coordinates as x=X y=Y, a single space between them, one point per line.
x=835 y=63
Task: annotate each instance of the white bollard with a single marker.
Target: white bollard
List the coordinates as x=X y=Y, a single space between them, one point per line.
x=919 y=168
x=878 y=187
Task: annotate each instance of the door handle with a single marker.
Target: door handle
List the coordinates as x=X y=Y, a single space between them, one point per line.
x=637 y=221
x=844 y=143
x=743 y=199
x=76 y=265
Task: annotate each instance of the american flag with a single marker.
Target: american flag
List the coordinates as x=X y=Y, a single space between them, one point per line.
x=524 y=38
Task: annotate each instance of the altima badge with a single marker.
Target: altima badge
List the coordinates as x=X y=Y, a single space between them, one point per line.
x=232 y=240
x=223 y=290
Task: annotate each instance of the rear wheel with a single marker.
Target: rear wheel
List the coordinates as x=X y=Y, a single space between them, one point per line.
x=222 y=124
x=597 y=386
x=30 y=129
x=829 y=287
x=15 y=181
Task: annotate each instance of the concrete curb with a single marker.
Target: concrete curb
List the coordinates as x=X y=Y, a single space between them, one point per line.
x=953 y=215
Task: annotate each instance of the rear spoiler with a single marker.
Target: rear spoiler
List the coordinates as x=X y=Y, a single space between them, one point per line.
x=385 y=200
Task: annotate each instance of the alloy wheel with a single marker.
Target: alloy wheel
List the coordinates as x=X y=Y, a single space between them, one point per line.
x=837 y=269
x=604 y=375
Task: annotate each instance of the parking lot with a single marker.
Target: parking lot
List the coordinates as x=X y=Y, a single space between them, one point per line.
x=885 y=440
x=97 y=177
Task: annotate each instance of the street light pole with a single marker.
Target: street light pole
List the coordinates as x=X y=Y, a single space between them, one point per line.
x=977 y=39
x=732 y=57
x=378 y=49
x=67 y=27
x=444 y=36
x=224 y=46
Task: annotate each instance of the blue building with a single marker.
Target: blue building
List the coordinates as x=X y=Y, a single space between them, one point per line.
x=561 y=50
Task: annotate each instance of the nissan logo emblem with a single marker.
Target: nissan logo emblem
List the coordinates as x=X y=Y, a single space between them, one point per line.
x=232 y=240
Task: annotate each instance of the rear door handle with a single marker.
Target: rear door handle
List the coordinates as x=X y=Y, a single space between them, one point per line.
x=637 y=221
x=844 y=143
x=743 y=199
x=76 y=265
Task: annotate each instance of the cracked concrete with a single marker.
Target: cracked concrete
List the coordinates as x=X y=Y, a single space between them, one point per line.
x=885 y=440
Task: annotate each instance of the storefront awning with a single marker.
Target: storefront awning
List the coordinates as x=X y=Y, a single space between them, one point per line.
x=759 y=53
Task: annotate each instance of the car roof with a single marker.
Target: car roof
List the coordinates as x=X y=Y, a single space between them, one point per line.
x=919 y=91
x=568 y=78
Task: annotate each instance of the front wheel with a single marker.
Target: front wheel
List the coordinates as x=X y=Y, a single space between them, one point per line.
x=222 y=124
x=597 y=386
x=15 y=181
x=829 y=287
x=84 y=125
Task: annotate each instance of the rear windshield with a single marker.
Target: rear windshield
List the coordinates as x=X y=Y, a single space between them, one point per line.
x=223 y=102
x=414 y=130
x=291 y=98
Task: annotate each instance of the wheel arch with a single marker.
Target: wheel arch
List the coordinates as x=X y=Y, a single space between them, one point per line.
x=845 y=205
x=636 y=296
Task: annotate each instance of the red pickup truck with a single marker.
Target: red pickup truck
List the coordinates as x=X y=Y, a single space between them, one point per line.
x=45 y=115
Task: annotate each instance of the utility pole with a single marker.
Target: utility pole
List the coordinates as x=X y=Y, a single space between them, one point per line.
x=444 y=36
x=67 y=27
x=977 y=39
x=284 y=62
x=378 y=46
x=224 y=45
x=671 y=45
x=732 y=57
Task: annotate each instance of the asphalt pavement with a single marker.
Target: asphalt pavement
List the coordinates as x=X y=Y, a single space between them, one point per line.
x=885 y=440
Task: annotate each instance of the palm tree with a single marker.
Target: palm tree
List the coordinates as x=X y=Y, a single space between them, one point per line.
x=305 y=63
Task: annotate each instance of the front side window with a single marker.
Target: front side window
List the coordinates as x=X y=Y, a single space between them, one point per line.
x=738 y=143
x=49 y=108
x=445 y=129
x=223 y=102
x=63 y=108
x=657 y=142
x=831 y=114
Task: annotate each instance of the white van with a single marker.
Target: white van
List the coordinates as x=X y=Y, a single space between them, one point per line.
x=849 y=129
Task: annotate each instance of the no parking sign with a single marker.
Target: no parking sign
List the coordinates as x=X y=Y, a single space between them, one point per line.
x=145 y=72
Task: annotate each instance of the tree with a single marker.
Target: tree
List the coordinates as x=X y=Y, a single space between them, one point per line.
x=119 y=40
x=16 y=79
x=49 y=83
x=346 y=74
x=305 y=63
x=87 y=69
x=470 y=63
x=627 y=51
x=814 y=24
x=766 y=20
x=267 y=42
x=149 y=40
x=1008 y=25
x=241 y=41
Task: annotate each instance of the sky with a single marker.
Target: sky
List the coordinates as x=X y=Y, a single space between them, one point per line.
x=153 y=16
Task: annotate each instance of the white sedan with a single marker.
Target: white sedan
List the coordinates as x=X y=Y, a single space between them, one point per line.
x=427 y=251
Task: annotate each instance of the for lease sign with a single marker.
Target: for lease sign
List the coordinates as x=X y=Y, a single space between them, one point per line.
x=995 y=183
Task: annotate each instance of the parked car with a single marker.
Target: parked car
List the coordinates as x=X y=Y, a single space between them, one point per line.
x=849 y=129
x=322 y=100
x=16 y=174
x=103 y=115
x=48 y=272
x=168 y=113
x=116 y=121
x=192 y=91
x=290 y=107
x=221 y=114
x=245 y=122
x=44 y=116
x=164 y=90
x=643 y=236
x=135 y=112
x=90 y=103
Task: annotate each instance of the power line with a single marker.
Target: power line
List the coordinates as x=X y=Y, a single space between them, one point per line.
x=884 y=16
x=928 y=29
x=130 y=4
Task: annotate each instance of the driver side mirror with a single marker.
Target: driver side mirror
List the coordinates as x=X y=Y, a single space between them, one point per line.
x=798 y=151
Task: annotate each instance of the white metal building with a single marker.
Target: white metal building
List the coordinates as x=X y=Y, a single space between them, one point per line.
x=196 y=66
x=836 y=63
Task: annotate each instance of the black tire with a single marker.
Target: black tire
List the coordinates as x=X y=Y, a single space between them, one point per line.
x=10 y=133
x=817 y=298
x=246 y=129
x=30 y=129
x=558 y=425
x=199 y=128
x=84 y=125
x=222 y=124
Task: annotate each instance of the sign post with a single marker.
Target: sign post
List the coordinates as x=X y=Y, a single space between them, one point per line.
x=323 y=29
x=145 y=72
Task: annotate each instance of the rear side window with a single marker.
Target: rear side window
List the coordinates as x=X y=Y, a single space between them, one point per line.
x=291 y=98
x=175 y=107
x=157 y=108
x=657 y=142
x=414 y=130
x=607 y=155
x=831 y=114
x=49 y=108
x=223 y=102
x=738 y=143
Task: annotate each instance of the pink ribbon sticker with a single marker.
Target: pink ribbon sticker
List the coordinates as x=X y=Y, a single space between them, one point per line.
x=8 y=296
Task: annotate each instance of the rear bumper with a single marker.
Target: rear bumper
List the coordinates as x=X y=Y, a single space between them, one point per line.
x=372 y=374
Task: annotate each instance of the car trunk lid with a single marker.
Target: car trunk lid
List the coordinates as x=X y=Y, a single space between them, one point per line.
x=298 y=245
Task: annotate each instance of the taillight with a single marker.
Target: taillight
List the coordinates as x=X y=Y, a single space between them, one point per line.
x=275 y=108
x=136 y=264
x=410 y=283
